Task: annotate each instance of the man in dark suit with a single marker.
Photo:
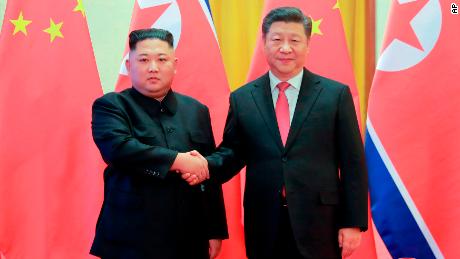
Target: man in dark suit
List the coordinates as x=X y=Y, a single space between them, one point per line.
x=297 y=133
x=143 y=134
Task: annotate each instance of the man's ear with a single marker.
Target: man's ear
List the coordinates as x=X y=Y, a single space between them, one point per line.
x=128 y=65
x=175 y=64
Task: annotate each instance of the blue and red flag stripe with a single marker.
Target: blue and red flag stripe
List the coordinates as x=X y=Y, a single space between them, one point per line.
x=394 y=213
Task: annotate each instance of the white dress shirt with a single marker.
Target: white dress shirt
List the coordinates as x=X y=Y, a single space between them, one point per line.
x=292 y=92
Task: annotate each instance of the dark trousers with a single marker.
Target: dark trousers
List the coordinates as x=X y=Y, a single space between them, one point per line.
x=285 y=245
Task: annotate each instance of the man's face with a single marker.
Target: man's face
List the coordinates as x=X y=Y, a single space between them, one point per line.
x=152 y=66
x=285 y=48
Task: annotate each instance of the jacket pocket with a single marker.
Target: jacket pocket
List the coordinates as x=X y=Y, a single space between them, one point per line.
x=123 y=219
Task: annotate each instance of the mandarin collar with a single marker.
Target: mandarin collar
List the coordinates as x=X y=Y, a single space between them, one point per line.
x=168 y=104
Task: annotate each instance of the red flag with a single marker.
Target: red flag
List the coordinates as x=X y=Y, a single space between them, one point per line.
x=50 y=170
x=414 y=131
x=328 y=56
x=200 y=74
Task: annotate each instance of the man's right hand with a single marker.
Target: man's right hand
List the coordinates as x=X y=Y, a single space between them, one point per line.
x=193 y=168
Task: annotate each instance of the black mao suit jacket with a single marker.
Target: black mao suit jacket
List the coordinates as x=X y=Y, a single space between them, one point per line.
x=147 y=211
x=324 y=138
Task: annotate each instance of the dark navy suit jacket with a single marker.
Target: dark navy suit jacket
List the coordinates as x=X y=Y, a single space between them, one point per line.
x=322 y=165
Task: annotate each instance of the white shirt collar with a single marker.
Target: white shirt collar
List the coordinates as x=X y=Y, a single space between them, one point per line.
x=295 y=81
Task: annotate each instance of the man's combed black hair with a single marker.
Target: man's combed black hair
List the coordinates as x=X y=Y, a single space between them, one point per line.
x=286 y=14
x=151 y=33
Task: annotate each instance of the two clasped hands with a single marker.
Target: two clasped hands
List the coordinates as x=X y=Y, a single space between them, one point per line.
x=192 y=166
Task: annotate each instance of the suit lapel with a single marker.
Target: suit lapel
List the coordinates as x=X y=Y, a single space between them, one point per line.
x=309 y=92
x=264 y=102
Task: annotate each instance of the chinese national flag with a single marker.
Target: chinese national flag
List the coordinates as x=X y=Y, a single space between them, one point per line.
x=413 y=132
x=50 y=170
x=328 y=56
x=200 y=74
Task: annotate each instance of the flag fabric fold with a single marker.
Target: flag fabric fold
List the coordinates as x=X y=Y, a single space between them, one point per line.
x=50 y=169
x=413 y=132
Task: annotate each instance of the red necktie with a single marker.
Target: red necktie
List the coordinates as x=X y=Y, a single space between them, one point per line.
x=282 y=116
x=282 y=111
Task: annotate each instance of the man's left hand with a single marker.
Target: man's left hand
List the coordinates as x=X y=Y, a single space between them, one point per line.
x=214 y=248
x=349 y=240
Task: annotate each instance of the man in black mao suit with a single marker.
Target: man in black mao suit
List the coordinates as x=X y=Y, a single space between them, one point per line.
x=306 y=188
x=143 y=134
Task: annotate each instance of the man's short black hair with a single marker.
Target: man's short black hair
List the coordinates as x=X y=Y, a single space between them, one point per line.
x=286 y=14
x=151 y=33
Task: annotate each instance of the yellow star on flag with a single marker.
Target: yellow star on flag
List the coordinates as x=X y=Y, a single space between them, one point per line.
x=315 y=27
x=337 y=5
x=54 y=30
x=20 y=24
x=80 y=7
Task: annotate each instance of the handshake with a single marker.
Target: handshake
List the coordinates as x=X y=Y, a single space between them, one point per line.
x=192 y=166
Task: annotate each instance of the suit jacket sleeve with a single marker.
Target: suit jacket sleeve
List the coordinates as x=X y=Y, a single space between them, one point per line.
x=353 y=172
x=217 y=221
x=228 y=160
x=119 y=148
